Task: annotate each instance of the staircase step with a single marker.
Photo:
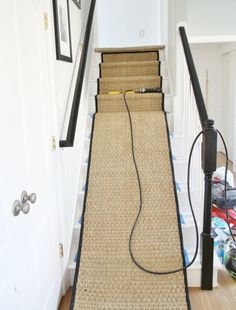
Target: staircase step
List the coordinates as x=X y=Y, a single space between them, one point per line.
x=129 y=49
x=134 y=68
x=128 y=83
x=194 y=271
x=130 y=56
x=136 y=102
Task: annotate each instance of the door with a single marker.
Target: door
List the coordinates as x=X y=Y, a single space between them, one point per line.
x=30 y=264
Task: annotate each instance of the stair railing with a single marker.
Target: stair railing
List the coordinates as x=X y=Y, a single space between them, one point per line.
x=69 y=141
x=209 y=154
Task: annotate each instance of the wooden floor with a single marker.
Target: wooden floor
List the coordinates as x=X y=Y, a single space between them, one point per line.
x=222 y=298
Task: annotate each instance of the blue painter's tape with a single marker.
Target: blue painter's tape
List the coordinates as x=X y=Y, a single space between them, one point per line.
x=177 y=187
x=173 y=157
x=186 y=257
x=171 y=134
x=80 y=220
x=182 y=221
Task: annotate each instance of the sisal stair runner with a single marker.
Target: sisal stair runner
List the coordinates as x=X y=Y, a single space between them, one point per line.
x=106 y=277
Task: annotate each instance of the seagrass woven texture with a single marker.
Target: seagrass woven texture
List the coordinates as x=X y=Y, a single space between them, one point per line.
x=120 y=57
x=137 y=68
x=126 y=83
x=108 y=279
x=137 y=102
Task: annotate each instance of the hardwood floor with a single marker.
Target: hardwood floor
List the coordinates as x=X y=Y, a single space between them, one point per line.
x=222 y=298
x=65 y=301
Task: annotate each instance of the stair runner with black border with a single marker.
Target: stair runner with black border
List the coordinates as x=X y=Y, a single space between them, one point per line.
x=106 y=277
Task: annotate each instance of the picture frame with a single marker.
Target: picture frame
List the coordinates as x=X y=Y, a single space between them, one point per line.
x=62 y=30
x=77 y=3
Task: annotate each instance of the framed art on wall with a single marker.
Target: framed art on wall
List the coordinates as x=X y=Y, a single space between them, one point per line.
x=77 y=3
x=62 y=30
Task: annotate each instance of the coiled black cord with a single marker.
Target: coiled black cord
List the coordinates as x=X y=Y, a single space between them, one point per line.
x=141 y=202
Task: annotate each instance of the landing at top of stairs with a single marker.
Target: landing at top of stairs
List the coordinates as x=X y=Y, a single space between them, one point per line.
x=152 y=48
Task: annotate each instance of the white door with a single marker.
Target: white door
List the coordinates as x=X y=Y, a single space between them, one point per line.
x=30 y=265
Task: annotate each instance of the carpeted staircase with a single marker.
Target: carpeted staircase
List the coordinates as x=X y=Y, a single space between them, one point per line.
x=106 y=277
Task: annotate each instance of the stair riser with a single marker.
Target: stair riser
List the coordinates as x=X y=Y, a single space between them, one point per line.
x=163 y=69
x=183 y=202
x=170 y=121
x=130 y=70
x=189 y=236
x=165 y=87
x=98 y=58
x=194 y=277
x=168 y=104
x=130 y=57
x=116 y=103
x=180 y=168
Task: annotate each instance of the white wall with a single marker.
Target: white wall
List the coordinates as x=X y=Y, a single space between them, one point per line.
x=175 y=12
x=120 y=23
x=219 y=61
x=228 y=102
x=64 y=70
x=62 y=82
x=211 y=17
x=207 y=60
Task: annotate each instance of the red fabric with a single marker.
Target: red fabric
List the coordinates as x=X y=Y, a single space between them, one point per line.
x=216 y=212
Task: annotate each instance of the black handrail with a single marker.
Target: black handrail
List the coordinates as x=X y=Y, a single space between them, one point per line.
x=69 y=142
x=209 y=154
x=194 y=78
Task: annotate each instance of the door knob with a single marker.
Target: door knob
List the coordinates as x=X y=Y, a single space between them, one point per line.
x=25 y=197
x=24 y=204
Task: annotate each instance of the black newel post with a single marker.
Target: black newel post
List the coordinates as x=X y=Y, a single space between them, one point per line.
x=209 y=149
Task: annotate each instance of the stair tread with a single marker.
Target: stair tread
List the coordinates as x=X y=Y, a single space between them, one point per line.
x=132 y=78
x=147 y=48
x=130 y=63
x=146 y=95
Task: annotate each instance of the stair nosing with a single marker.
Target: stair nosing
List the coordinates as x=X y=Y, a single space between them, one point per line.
x=150 y=48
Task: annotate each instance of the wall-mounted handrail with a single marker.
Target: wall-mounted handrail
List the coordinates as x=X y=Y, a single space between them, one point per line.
x=69 y=141
x=209 y=154
x=194 y=78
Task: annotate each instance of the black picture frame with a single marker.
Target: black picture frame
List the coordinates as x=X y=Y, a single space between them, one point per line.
x=62 y=30
x=77 y=3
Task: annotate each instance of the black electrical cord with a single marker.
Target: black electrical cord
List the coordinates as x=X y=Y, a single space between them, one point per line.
x=141 y=202
x=225 y=184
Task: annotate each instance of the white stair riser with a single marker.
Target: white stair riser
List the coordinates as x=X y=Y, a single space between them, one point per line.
x=183 y=202
x=189 y=236
x=178 y=147
x=194 y=277
x=180 y=167
x=71 y=276
x=168 y=103
x=170 y=121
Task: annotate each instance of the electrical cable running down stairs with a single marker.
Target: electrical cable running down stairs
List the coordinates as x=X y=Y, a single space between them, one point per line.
x=106 y=277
